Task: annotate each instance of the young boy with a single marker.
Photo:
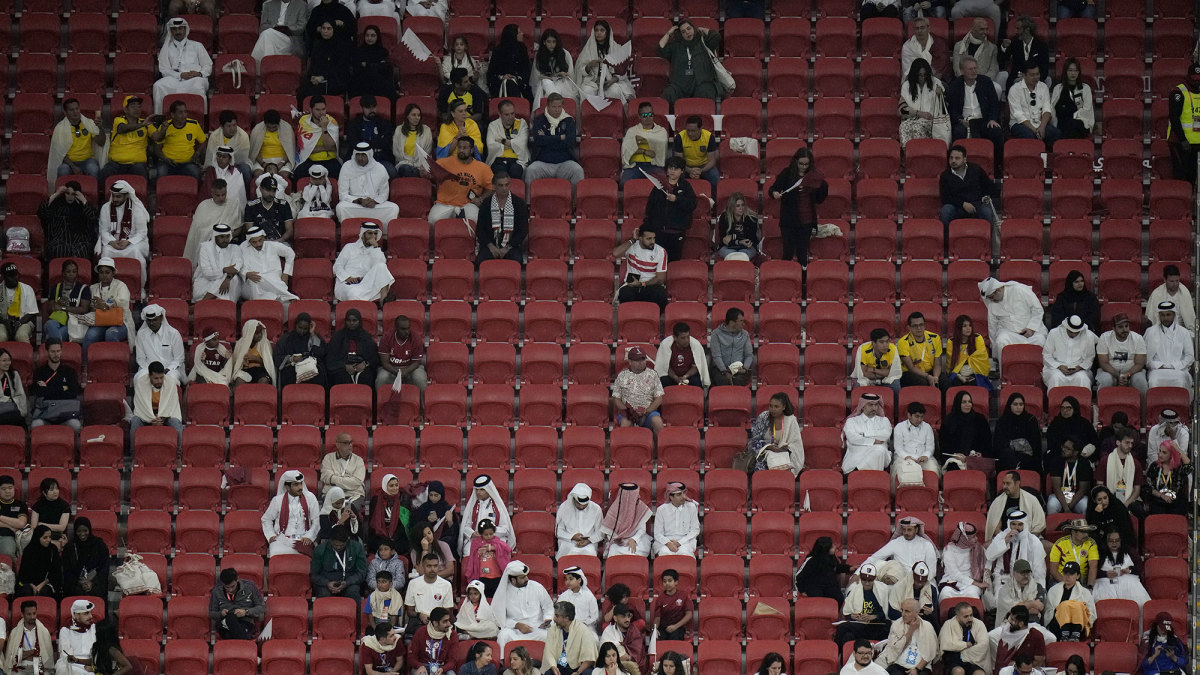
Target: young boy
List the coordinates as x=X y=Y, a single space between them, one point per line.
x=386 y=560
x=672 y=609
x=384 y=603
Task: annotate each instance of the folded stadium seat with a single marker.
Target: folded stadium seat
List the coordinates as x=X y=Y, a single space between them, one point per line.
x=411 y=280
x=1164 y=72
x=825 y=523
x=1071 y=197
x=1120 y=399
x=920 y=498
x=882 y=37
x=288 y=617
x=414 y=199
x=779 y=280
x=495 y=362
x=1123 y=119
x=350 y=404
x=814 y=656
x=1124 y=79
x=27 y=153
x=1057 y=653
x=334 y=618
x=1120 y=281
x=719 y=655
x=921 y=198
x=824 y=405
x=607 y=123
x=631 y=447
x=315 y=237
x=492 y=405
x=151 y=487
x=924 y=157
x=40 y=33
x=828 y=280
x=631 y=570
x=879 y=117
x=868 y=491
x=877 y=77
x=728 y=406
x=103 y=403
x=282 y=657
x=921 y=280
x=454 y=279
x=722 y=575
x=1076 y=38
x=682 y=406
x=636 y=194
x=1071 y=240
x=1024 y=271
x=721 y=444
x=1170 y=199
x=217 y=315
x=1116 y=621
x=1074 y=158
x=87 y=34
x=446 y=404
x=546 y=321
x=170 y=278
x=701 y=107
x=535 y=529
x=773 y=491
x=741 y=116
x=1169 y=239
x=300 y=446
x=243 y=533
x=1163 y=536
x=98 y=488
x=1125 y=37
x=787 y=79
x=781 y=322
x=108 y=362
x=541 y=362
x=1023 y=158
x=867 y=531
x=169 y=236
x=49 y=446
x=720 y=619
x=832 y=117
x=877 y=198
x=965 y=490
x=871 y=315
x=233 y=657
x=257 y=404
x=101 y=446
x=550 y=198
x=197 y=530
x=200 y=487
x=149 y=532
x=594 y=236
x=638 y=322
x=591 y=321
x=779 y=363
x=1172 y=37
x=836 y=36
x=208 y=404
x=450 y=321
x=287 y=575
x=1112 y=656
x=25 y=192
x=820 y=488
x=330 y=657
x=733 y=280
x=141 y=616
x=764 y=624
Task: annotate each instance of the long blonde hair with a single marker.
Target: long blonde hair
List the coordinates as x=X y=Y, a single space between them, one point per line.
x=731 y=206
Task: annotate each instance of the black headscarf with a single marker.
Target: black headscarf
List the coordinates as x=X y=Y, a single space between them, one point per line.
x=365 y=346
x=88 y=555
x=1069 y=301
x=1077 y=428
x=39 y=563
x=817 y=576
x=510 y=57
x=964 y=432
x=438 y=508
x=1011 y=427
x=1114 y=517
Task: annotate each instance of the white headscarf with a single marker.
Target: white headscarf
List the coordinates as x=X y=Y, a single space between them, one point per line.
x=331 y=497
x=500 y=598
x=479 y=619
x=504 y=526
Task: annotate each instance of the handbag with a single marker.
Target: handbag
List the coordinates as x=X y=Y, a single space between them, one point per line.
x=306 y=369
x=910 y=473
x=134 y=577
x=8 y=580
x=724 y=78
x=57 y=410
x=941 y=122
x=111 y=316
x=23 y=537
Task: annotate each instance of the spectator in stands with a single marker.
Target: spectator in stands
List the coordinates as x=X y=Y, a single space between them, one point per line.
x=509 y=68
x=644 y=147
x=463 y=183
x=1012 y=544
x=1017 y=590
x=130 y=138
x=577 y=523
x=1076 y=299
x=503 y=223
x=52 y=510
x=866 y=433
x=1076 y=546
x=669 y=209
x=361 y=271
x=1070 y=423
x=19 y=322
x=912 y=442
x=775 y=440
x=300 y=354
x=230 y=176
x=487 y=556
x=738 y=229
x=474 y=618
x=378 y=651
x=1031 y=110
x=908 y=546
x=1167 y=428
x=964 y=566
x=218 y=270
x=914 y=585
x=292 y=519
x=73 y=144
x=235 y=605
x=1068 y=354
x=14 y=516
x=184 y=65
x=317 y=198
x=179 y=144
x=553 y=146
x=921 y=354
x=974 y=105
x=522 y=606
x=1017 y=440
x=965 y=432
x=1165 y=651
x=344 y=469
x=871 y=9
x=69 y=223
x=1023 y=644
x=1183 y=131
x=110 y=317
x=508 y=141
x=363 y=188
x=924 y=46
x=912 y=643
x=625 y=523
x=799 y=188
x=217 y=209
x=596 y=74
x=977 y=44
x=587 y=610
x=384 y=602
x=919 y=101
x=485 y=503
x=680 y=359
x=338 y=15
x=731 y=350
x=672 y=608
x=965 y=189
x=1120 y=475
x=387 y=559
x=1014 y=314
x=434 y=646
x=1165 y=488
x=1074 y=110
x=318 y=134
x=462 y=88
x=877 y=362
x=1172 y=290
x=76 y=640
x=628 y=638
x=479 y=661
x=1116 y=567
x=818 y=574
x=700 y=151
x=29 y=641
x=41 y=570
x=862 y=660
x=410 y=134
x=916 y=9
x=424 y=541
x=645 y=269
x=158 y=340
x=436 y=8
x=1070 y=609
x=401 y=355
x=1017 y=55
x=1169 y=354
x=1013 y=497
x=124 y=227
x=282 y=186
x=272 y=146
x=691 y=52
x=266 y=267
x=209 y=358
x=553 y=69
x=865 y=609
x=676 y=524
x=56 y=391
x=571 y=639
x=155 y=399
x=376 y=131
x=339 y=566
x=329 y=62
x=229 y=134
x=389 y=516
x=438 y=513
x=637 y=393
x=460 y=56
x=281 y=30
x=1076 y=9
x=352 y=356
x=371 y=71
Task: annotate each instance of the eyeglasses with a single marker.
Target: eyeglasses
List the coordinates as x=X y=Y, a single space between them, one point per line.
x=1032 y=99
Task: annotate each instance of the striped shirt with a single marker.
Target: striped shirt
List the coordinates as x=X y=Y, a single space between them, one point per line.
x=646 y=262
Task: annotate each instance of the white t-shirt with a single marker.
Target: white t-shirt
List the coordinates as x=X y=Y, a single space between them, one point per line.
x=424 y=596
x=645 y=263
x=1120 y=354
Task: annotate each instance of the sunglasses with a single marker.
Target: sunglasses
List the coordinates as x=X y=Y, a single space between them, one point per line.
x=649 y=114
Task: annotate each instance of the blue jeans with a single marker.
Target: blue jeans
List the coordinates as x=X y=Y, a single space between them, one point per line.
x=634 y=172
x=103 y=334
x=180 y=169
x=951 y=212
x=1088 y=12
x=407 y=171
x=1022 y=131
x=743 y=9
x=136 y=423
x=88 y=166
x=55 y=329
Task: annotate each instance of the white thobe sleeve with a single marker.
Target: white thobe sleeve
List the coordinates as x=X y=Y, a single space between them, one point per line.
x=270 y=518
x=139 y=232
x=1033 y=306
x=209 y=268
x=314 y=517
x=342 y=266
x=379 y=183
x=1052 y=352
x=203 y=59
x=691 y=523
x=288 y=255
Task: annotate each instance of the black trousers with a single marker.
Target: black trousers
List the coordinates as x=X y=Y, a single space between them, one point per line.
x=670 y=382
x=656 y=294
x=795 y=242
x=851 y=631
x=233 y=628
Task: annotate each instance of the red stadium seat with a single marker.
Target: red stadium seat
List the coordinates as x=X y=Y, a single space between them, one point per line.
x=141 y=616
x=196 y=531
x=243 y=533
x=152 y=487
x=867 y=531
x=282 y=657
x=814 y=618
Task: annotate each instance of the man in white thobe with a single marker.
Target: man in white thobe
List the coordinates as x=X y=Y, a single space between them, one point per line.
x=676 y=523
x=1169 y=353
x=75 y=641
x=1121 y=355
x=223 y=168
x=964 y=567
x=360 y=272
x=316 y=199
x=266 y=267
x=1014 y=543
x=158 y=341
x=522 y=607
x=577 y=523
x=908 y=546
x=1068 y=354
x=363 y=189
x=292 y=517
x=912 y=443
x=1013 y=497
x=1171 y=289
x=866 y=434
x=587 y=610
x=485 y=504
x=1014 y=314
x=1167 y=429
x=184 y=65
x=281 y=29
x=217 y=270
x=215 y=209
x=124 y=227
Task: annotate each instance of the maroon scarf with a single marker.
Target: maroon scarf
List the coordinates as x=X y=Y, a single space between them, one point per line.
x=384 y=501
x=285 y=510
x=126 y=225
